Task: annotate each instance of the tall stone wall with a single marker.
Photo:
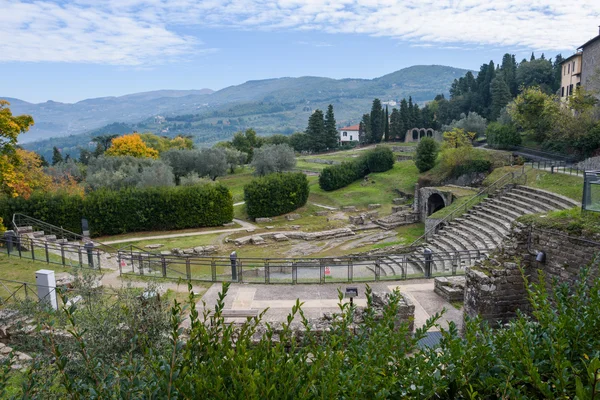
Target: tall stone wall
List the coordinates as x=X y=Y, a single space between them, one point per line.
x=494 y=288
x=590 y=63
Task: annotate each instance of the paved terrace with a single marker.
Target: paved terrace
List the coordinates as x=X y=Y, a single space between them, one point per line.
x=319 y=299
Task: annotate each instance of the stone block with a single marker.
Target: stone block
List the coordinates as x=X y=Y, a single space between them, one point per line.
x=153 y=246
x=257 y=240
x=373 y=206
x=295 y=227
x=356 y=220
x=322 y=213
x=269 y=227
x=280 y=237
x=165 y=253
x=293 y=217
x=398 y=201
x=263 y=220
x=349 y=208
x=229 y=224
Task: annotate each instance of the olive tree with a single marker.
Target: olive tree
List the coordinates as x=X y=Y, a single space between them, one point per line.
x=273 y=158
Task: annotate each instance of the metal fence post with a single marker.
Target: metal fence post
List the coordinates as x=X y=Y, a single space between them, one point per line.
x=89 y=248
x=163 y=263
x=428 y=256
x=213 y=270
x=47 y=253
x=188 y=268
x=294 y=273
x=350 y=270
x=62 y=253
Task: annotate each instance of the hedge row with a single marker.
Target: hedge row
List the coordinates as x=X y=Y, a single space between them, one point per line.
x=129 y=210
x=335 y=177
x=276 y=194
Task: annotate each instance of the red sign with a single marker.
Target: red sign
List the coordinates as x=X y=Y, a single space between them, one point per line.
x=123 y=263
x=327 y=271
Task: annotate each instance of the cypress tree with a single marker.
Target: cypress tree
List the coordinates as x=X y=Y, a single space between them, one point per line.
x=397 y=130
x=411 y=114
x=386 y=133
x=56 y=156
x=331 y=133
x=376 y=122
x=500 y=96
x=364 y=129
x=404 y=116
x=316 y=131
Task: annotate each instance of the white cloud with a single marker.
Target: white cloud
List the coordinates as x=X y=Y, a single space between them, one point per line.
x=134 y=32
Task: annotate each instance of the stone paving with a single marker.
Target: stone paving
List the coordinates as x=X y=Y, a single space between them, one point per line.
x=319 y=299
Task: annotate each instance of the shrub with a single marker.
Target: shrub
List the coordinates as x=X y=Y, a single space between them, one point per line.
x=117 y=173
x=502 y=136
x=129 y=210
x=276 y=194
x=380 y=159
x=427 y=151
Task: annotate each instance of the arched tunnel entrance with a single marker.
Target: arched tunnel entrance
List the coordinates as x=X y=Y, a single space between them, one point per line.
x=435 y=202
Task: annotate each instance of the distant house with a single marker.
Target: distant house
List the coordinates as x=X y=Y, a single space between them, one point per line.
x=349 y=134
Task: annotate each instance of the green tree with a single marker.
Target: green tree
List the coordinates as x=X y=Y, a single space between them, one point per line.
x=386 y=132
x=377 y=126
x=331 y=133
x=246 y=142
x=535 y=112
x=427 y=151
x=501 y=96
x=411 y=114
x=364 y=129
x=397 y=130
x=509 y=73
x=502 y=136
x=316 y=131
x=56 y=156
x=273 y=158
x=103 y=143
x=537 y=73
x=405 y=116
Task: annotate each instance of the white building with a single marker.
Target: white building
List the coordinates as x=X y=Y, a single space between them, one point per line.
x=349 y=134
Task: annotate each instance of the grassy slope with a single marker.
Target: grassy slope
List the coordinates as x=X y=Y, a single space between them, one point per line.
x=567 y=185
x=572 y=221
x=380 y=189
x=22 y=270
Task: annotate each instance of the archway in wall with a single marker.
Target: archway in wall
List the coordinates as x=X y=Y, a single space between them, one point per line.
x=415 y=134
x=429 y=132
x=435 y=202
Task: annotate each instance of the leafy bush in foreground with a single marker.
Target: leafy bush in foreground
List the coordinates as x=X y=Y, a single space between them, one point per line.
x=552 y=354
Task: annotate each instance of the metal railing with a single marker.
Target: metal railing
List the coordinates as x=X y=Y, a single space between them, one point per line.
x=561 y=167
x=543 y=154
x=20 y=220
x=507 y=179
x=65 y=254
x=298 y=270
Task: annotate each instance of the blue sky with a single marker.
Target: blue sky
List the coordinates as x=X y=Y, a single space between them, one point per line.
x=71 y=50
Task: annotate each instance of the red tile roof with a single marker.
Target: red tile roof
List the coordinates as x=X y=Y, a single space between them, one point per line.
x=351 y=128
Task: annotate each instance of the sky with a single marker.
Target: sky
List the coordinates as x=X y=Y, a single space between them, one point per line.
x=76 y=49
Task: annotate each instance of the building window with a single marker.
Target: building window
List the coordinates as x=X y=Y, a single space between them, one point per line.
x=345 y=134
x=351 y=137
x=570 y=89
x=562 y=91
x=573 y=66
x=568 y=68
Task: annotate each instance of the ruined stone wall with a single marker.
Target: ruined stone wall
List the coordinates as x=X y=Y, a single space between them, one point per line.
x=494 y=288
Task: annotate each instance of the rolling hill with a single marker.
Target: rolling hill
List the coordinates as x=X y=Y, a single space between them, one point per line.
x=280 y=105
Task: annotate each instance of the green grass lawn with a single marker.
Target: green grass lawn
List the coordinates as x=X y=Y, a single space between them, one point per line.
x=573 y=221
x=381 y=188
x=177 y=242
x=18 y=269
x=235 y=182
x=567 y=185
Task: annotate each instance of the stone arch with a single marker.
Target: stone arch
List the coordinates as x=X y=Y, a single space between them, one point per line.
x=422 y=133
x=429 y=132
x=435 y=202
x=415 y=134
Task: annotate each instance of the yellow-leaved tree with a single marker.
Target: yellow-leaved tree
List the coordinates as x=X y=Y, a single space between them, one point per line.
x=163 y=143
x=10 y=128
x=23 y=177
x=131 y=145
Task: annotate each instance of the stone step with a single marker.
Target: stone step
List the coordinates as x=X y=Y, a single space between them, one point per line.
x=492 y=218
x=38 y=234
x=61 y=241
x=565 y=201
x=24 y=229
x=473 y=229
x=544 y=205
x=495 y=213
x=512 y=207
x=533 y=209
x=489 y=205
x=50 y=238
x=557 y=204
x=473 y=242
x=490 y=238
x=496 y=230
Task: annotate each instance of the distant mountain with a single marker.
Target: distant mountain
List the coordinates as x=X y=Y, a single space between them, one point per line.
x=280 y=105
